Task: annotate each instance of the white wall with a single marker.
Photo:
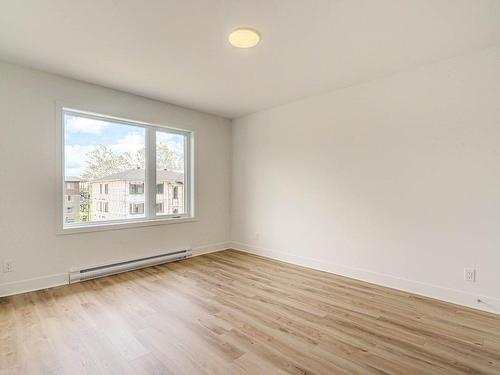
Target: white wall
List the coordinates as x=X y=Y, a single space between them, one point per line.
x=396 y=181
x=27 y=180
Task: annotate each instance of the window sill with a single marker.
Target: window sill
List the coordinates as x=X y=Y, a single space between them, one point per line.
x=103 y=226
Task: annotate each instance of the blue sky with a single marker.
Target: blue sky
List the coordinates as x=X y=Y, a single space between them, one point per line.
x=82 y=135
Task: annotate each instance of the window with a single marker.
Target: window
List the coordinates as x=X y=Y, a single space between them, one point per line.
x=136 y=188
x=136 y=208
x=138 y=160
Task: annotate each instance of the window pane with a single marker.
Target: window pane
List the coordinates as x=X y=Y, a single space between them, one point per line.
x=170 y=172
x=104 y=170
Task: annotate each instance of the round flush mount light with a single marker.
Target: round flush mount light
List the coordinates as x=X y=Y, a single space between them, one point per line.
x=244 y=38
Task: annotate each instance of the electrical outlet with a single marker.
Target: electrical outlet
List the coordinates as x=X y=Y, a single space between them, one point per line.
x=257 y=236
x=7 y=265
x=470 y=274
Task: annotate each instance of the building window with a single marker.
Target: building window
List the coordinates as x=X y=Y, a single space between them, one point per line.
x=136 y=188
x=139 y=160
x=136 y=208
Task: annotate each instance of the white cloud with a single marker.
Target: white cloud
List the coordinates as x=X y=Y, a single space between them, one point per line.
x=84 y=125
x=165 y=137
x=132 y=143
x=174 y=142
x=75 y=156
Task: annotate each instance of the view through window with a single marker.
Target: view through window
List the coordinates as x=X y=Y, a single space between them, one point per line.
x=169 y=176
x=105 y=164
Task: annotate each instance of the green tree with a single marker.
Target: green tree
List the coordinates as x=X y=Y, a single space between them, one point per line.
x=101 y=161
x=166 y=159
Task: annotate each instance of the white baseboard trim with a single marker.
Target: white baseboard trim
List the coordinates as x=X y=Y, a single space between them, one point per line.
x=44 y=282
x=211 y=248
x=488 y=304
x=30 y=285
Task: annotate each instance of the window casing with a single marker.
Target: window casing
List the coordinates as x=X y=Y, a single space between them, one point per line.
x=145 y=202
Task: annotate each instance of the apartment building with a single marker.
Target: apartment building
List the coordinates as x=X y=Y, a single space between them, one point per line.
x=121 y=195
x=71 y=199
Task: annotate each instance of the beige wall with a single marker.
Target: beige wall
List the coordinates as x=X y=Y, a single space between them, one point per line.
x=395 y=181
x=28 y=148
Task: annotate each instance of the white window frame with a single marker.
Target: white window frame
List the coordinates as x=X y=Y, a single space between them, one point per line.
x=150 y=217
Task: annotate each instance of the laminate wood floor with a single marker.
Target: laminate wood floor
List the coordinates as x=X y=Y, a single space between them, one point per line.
x=233 y=313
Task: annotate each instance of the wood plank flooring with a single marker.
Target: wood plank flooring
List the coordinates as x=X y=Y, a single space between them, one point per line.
x=233 y=313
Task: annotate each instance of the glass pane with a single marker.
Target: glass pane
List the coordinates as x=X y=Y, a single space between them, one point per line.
x=170 y=181
x=104 y=170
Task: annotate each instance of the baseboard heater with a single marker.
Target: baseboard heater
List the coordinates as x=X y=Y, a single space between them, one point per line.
x=112 y=269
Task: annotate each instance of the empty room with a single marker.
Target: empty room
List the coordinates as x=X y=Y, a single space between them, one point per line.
x=249 y=187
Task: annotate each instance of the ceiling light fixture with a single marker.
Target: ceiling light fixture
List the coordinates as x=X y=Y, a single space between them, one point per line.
x=244 y=38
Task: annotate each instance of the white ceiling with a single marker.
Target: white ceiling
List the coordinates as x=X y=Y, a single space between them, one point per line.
x=177 y=50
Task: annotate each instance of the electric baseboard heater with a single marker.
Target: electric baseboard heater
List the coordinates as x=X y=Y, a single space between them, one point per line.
x=112 y=269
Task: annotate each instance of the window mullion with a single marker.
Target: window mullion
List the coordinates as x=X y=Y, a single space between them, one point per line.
x=187 y=175
x=150 y=193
